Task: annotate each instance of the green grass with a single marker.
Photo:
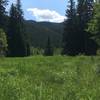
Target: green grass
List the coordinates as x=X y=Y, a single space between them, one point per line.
x=50 y=78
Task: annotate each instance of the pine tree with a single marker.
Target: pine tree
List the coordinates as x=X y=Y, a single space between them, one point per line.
x=11 y=31
x=16 y=38
x=94 y=25
x=81 y=23
x=3 y=4
x=70 y=41
x=84 y=14
x=22 y=51
x=75 y=39
x=48 y=49
x=84 y=11
x=28 y=50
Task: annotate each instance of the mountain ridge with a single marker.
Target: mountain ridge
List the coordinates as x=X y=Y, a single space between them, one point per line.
x=38 y=32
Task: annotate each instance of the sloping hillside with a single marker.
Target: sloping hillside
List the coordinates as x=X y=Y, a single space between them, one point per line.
x=38 y=32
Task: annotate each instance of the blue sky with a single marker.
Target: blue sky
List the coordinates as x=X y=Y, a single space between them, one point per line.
x=44 y=10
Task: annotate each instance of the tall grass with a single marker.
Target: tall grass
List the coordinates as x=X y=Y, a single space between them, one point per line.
x=50 y=78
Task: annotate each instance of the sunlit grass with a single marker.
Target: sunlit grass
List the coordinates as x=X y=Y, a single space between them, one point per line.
x=50 y=78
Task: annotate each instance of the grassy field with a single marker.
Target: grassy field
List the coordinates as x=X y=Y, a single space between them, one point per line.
x=50 y=78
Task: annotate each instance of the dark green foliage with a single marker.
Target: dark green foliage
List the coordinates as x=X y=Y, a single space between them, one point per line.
x=85 y=13
x=70 y=39
x=16 y=37
x=94 y=25
x=37 y=31
x=28 y=50
x=3 y=20
x=48 y=49
x=75 y=39
x=3 y=43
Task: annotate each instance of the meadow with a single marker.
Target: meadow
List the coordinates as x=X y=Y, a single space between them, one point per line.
x=50 y=78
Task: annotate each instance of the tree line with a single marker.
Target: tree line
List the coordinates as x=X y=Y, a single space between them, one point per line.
x=81 y=33
x=13 y=27
x=81 y=30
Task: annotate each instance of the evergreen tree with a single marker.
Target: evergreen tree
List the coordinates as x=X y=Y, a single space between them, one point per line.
x=75 y=39
x=11 y=31
x=81 y=11
x=84 y=14
x=70 y=41
x=48 y=49
x=16 y=38
x=3 y=43
x=28 y=50
x=3 y=4
x=94 y=25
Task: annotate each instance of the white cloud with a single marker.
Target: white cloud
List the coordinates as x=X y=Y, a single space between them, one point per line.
x=46 y=15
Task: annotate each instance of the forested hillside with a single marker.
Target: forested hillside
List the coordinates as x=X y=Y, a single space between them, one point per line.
x=78 y=34
x=38 y=33
x=50 y=61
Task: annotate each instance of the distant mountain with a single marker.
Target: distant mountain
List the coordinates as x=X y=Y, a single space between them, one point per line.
x=38 y=33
